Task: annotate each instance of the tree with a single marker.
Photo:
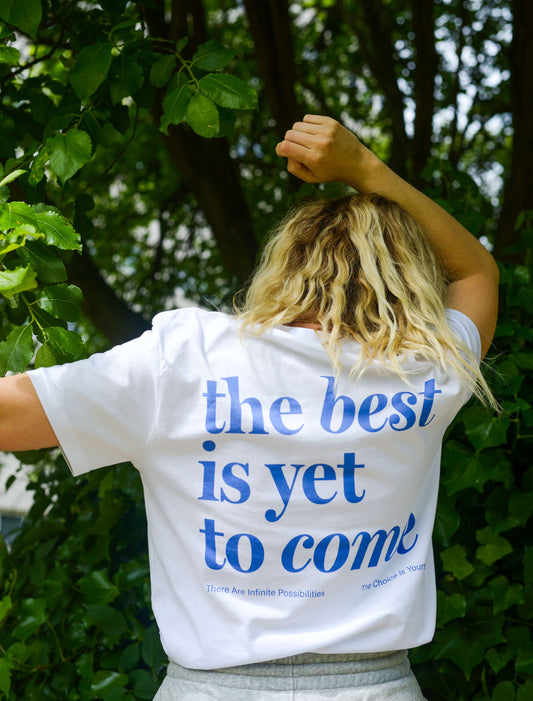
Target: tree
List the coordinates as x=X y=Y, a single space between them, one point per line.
x=146 y=132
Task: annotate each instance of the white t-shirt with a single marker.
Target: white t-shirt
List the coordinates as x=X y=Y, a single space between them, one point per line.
x=286 y=513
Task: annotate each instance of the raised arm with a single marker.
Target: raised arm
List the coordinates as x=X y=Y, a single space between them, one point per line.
x=23 y=423
x=319 y=149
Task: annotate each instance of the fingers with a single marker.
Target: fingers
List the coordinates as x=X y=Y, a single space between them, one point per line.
x=300 y=171
x=292 y=149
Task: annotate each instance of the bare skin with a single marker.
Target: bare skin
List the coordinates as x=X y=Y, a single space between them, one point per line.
x=318 y=149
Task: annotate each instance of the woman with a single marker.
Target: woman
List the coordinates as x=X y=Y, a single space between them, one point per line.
x=290 y=453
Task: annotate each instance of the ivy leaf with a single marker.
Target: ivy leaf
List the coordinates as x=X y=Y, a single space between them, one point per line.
x=127 y=78
x=69 y=152
x=229 y=91
x=465 y=644
x=62 y=301
x=494 y=546
x=162 y=69
x=91 y=69
x=175 y=105
x=16 y=351
x=483 y=429
x=56 y=229
x=202 y=115
x=450 y=607
x=454 y=561
x=18 y=280
x=26 y=15
x=212 y=56
x=505 y=594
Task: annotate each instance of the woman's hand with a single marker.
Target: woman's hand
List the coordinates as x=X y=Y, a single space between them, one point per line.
x=320 y=150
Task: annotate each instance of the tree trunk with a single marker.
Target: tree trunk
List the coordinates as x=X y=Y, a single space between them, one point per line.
x=424 y=83
x=270 y=27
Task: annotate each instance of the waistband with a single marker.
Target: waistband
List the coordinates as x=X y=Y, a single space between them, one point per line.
x=359 y=669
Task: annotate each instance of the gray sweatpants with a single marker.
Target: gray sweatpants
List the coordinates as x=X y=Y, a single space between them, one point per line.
x=309 y=677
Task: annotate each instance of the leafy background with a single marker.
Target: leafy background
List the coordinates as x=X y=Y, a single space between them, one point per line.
x=138 y=174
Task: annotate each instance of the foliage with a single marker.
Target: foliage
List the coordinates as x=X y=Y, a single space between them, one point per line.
x=483 y=645
x=146 y=131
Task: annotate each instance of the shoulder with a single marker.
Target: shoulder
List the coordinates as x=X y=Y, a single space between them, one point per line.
x=192 y=318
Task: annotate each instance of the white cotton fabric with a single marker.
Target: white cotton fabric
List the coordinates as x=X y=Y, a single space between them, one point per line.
x=286 y=513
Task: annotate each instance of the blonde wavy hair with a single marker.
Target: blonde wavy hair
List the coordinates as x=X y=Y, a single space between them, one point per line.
x=361 y=267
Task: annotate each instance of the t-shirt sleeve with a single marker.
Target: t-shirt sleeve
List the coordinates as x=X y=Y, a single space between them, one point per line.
x=465 y=329
x=102 y=409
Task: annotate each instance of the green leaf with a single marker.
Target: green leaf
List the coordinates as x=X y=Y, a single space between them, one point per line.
x=92 y=67
x=162 y=69
x=450 y=607
x=483 y=429
x=202 y=115
x=5 y=676
x=67 y=345
x=504 y=691
x=152 y=651
x=175 y=105
x=106 y=681
x=461 y=468
x=505 y=594
x=181 y=44
x=465 y=643
x=229 y=91
x=454 y=561
x=493 y=548
x=16 y=351
x=525 y=692
x=10 y=55
x=44 y=261
x=144 y=684
x=33 y=616
x=69 y=152
x=14 y=214
x=107 y=619
x=126 y=78
x=212 y=56
x=6 y=605
x=18 y=280
x=46 y=356
x=97 y=589
x=62 y=301
x=56 y=229
x=498 y=659
x=524 y=659
x=26 y=15
x=12 y=176
x=37 y=167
